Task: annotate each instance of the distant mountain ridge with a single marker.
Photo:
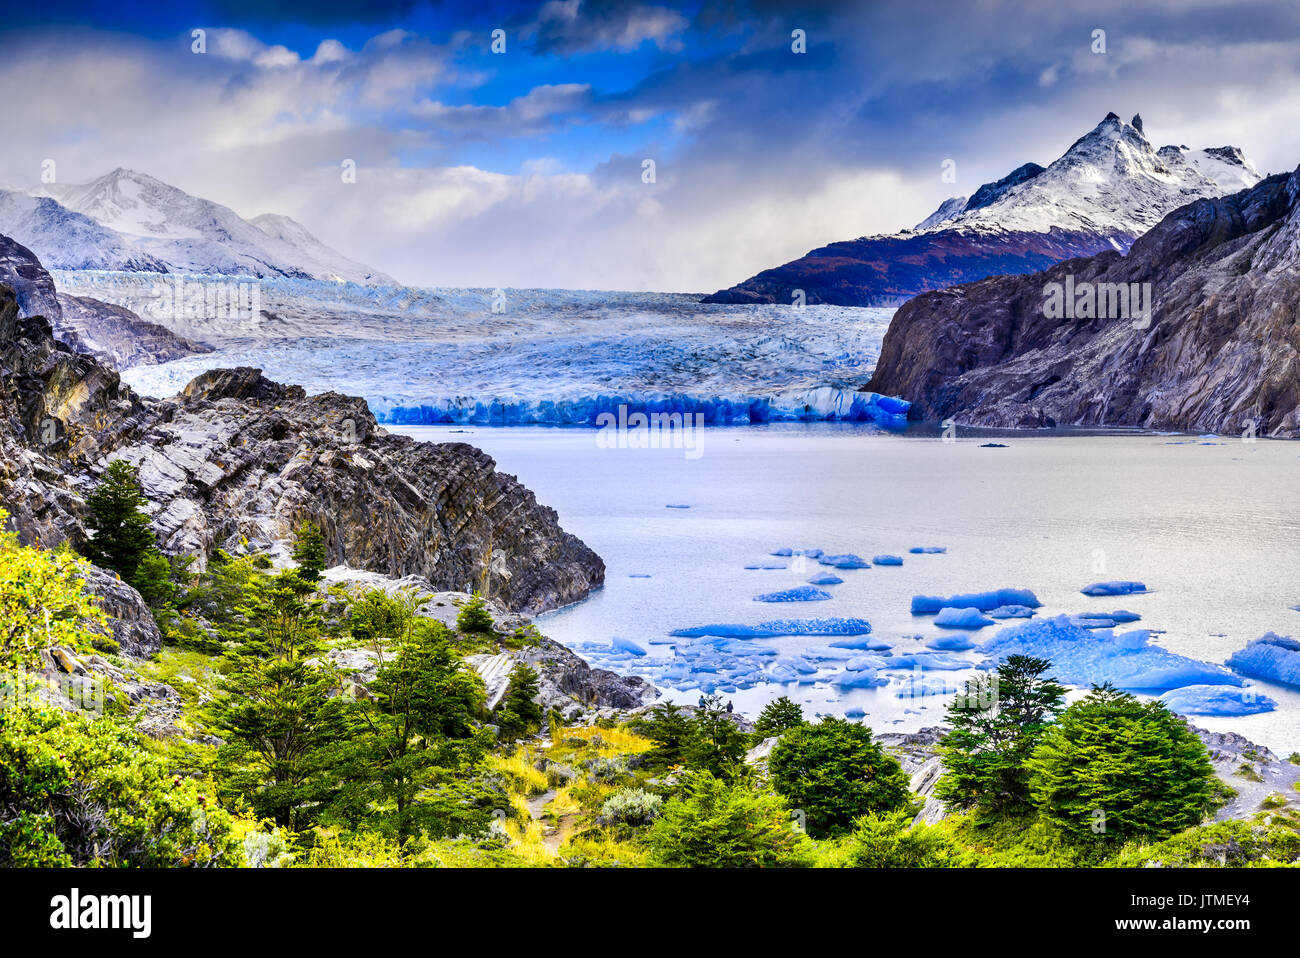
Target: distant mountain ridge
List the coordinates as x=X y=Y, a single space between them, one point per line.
x=133 y=222
x=1105 y=191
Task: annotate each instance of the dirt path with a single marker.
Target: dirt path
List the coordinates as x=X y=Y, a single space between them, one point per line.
x=554 y=832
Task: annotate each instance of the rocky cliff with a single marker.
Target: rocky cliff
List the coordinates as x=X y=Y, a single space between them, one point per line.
x=1219 y=350
x=237 y=461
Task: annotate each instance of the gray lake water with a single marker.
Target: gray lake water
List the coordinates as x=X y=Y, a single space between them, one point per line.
x=1212 y=526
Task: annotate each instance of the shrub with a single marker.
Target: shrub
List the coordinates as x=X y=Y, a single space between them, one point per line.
x=1113 y=768
x=519 y=714
x=631 y=806
x=121 y=537
x=835 y=773
x=309 y=551
x=714 y=824
x=885 y=840
x=474 y=617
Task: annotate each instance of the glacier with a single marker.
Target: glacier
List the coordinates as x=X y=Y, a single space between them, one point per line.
x=546 y=357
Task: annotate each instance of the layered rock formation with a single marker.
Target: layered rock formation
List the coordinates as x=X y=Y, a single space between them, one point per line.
x=117 y=336
x=1220 y=350
x=238 y=461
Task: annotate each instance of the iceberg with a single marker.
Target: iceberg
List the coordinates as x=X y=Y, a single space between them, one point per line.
x=825 y=579
x=1011 y=612
x=767 y=566
x=863 y=662
x=937 y=661
x=831 y=626
x=951 y=643
x=950 y=618
x=927 y=550
x=803 y=593
x=866 y=679
x=1114 y=588
x=846 y=561
x=627 y=645
x=875 y=645
x=983 y=601
x=1271 y=657
x=887 y=560
x=1216 y=700
x=1080 y=657
x=785 y=551
x=917 y=686
x=1119 y=616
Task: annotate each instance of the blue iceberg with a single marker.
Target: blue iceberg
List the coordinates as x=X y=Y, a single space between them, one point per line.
x=627 y=645
x=1114 y=588
x=866 y=679
x=952 y=643
x=784 y=551
x=927 y=550
x=846 y=561
x=767 y=566
x=1082 y=658
x=1217 y=700
x=825 y=579
x=1272 y=657
x=950 y=618
x=937 y=661
x=875 y=645
x=831 y=626
x=803 y=593
x=862 y=663
x=918 y=687
x=1011 y=612
x=887 y=560
x=983 y=601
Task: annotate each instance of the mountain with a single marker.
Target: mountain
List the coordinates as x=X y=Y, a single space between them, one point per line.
x=1214 y=346
x=130 y=221
x=1107 y=189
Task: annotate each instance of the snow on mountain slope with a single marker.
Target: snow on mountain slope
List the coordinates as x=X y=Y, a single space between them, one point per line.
x=148 y=221
x=1111 y=181
x=63 y=239
x=1105 y=191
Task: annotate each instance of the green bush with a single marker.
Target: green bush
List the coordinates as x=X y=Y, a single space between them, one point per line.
x=714 y=824
x=474 y=617
x=1113 y=769
x=885 y=840
x=631 y=806
x=835 y=773
x=76 y=790
x=779 y=715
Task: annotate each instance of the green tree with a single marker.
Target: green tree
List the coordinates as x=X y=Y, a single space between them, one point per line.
x=714 y=824
x=281 y=716
x=377 y=615
x=155 y=580
x=996 y=725
x=779 y=715
x=834 y=772
x=519 y=714
x=309 y=551
x=121 y=537
x=420 y=741
x=669 y=727
x=1112 y=768
x=474 y=617
x=716 y=744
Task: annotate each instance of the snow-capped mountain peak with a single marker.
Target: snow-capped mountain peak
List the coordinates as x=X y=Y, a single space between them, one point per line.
x=1111 y=181
x=133 y=221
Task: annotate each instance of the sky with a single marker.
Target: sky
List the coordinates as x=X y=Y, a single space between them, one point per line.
x=527 y=166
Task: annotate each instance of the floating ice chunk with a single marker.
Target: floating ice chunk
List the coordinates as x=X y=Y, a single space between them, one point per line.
x=783 y=674
x=927 y=550
x=887 y=560
x=627 y=645
x=824 y=653
x=1082 y=658
x=1273 y=657
x=797 y=664
x=722 y=630
x=1011 y=612
x=855 y=712
x=951 y=643
x=983 y=601
x=950 y=618
x=1119 y=615
x=1117 y=587
x=825 y=578
x=830 y=626
x=812 y=553
x=638 y=575
x=784 y=551
x=937 y=661
x=803 y=593
x=846 y=561
x=875 y=645
x=866 y=679
x=917 y=686
x=676 y=505
x=767 y=566
x=1217 y=700
x=862 y=662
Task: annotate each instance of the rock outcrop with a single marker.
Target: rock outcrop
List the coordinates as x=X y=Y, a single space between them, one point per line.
x=237 y=461
x=117 y=336
x=1219 y=350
